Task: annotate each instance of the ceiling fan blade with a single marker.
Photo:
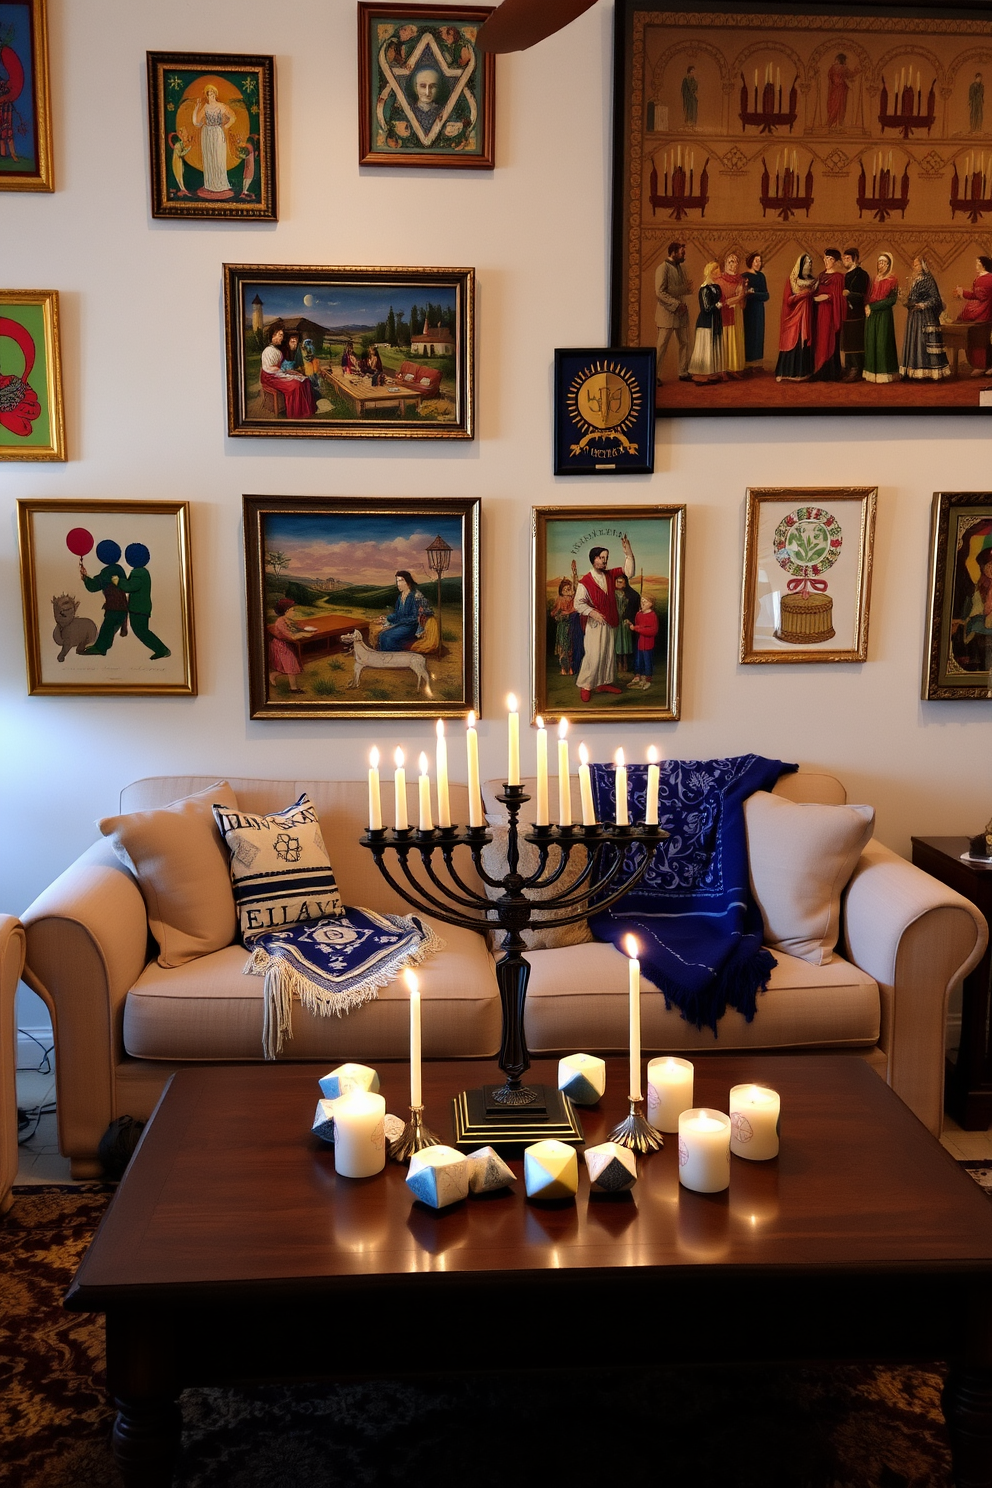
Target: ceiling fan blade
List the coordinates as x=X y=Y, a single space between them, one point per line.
x=518 y=24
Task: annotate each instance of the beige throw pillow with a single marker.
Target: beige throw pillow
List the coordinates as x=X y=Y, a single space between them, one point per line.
x=550 y=936
x=181 y=864
x=801 y=856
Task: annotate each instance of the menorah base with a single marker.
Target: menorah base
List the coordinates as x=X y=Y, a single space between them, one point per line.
x=481 y=1120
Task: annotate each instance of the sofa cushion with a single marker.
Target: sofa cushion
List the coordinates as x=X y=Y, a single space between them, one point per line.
x=495 y=864
x=209 y=1010
x=181 y=865
x=800 y=857
x=279 y=866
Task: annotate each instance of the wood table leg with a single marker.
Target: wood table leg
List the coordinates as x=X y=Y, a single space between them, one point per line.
x=146 y=1440
x=967 y=1402
x=144 y=1383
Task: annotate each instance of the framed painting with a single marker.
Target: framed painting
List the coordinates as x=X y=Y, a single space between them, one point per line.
x=607 y=612
x=807 y=573
x=108 y=599
x=362 y=608
x=25 y=111
x=32 y=425
x=802 y=202
x=604 y=411
x=350 y=353
x=426 y=95
x=958 y=659
x=212 y=130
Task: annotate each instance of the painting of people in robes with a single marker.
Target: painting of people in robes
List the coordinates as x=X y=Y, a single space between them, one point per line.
x=25 y=114
x=849 y=155
x=958 y=662
x=358 y=610
x=426 y=93
x=607 y=619
x=31 y=418
x=212 y=133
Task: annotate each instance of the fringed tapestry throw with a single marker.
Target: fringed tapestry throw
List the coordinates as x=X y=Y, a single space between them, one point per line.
x=693 y=914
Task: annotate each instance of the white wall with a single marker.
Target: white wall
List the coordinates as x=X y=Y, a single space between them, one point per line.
x=144 y=376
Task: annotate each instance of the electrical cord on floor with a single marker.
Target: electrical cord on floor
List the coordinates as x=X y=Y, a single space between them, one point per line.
x=29 y=1120
x=44 y=1067
x=32 y=1119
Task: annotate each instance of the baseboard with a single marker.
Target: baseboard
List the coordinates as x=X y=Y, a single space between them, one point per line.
x=29 y=1054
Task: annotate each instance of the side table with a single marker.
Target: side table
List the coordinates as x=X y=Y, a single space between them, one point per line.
x=968 y=1089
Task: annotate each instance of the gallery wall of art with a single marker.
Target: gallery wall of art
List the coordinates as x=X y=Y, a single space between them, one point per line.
x=146 y=419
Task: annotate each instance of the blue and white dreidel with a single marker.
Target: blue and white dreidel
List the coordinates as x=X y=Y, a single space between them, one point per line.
x=582 y=1077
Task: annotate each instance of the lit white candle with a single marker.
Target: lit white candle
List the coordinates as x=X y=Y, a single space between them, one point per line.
x=375 y=804
x=623 y=819
x=359 y=1134
x=564 y=784
x=424 y=784
x=704 y=1150
x=634 y=990
x=476 y=817
x=585 y=788
x=654 y=784
x=441 y=762
x=512 y=742
x=413 y=987
x=541 y=815
x=399 y=794
x=669 y=1091
x=754 y=1116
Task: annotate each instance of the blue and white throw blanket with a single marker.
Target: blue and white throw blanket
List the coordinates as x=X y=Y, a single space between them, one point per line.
x=693 y=914
x=333 y=965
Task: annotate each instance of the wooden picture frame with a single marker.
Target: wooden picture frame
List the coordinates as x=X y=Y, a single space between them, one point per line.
x=360 y=367
x=319 y=569
x=564 y=538
x=32 y=419
x=213 y=158
x=141 y=551
x=785 y=133
x=25 y=107
x=604 y=411
x=957 y=661
x=807 y=573
x=426 y=95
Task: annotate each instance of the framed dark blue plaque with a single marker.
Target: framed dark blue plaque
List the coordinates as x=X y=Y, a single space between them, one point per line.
x=604 y=407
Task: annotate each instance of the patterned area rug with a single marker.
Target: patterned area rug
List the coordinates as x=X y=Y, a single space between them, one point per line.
x=742 y=1427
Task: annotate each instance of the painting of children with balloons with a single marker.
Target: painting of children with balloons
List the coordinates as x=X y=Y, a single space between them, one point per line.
x=113 y=578
x=25 y=117
x=31 y=422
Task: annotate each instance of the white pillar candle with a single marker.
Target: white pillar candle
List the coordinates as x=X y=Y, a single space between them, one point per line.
x=634 y=994
x=413 y=986
x=359 y=1135
x=541 y=814
x=669 y=1091
x=704 y=1150
x=585 y=788
x=424 y=785
x=654 y=783
x=754 y=1117
x=375 y=804
x=399 y=794
x=623 y=819
x=564 y=784
x=476 y=817
x=512 y=742
x=441 y=762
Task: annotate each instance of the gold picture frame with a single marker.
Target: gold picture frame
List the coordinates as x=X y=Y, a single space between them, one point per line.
x=957 y=657
x=114 y=606
x=803 y=588
x=26 y=158
x=32 y=419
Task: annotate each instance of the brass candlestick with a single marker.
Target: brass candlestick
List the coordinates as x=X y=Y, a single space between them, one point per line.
x=414 y=1137
x=637 y=1133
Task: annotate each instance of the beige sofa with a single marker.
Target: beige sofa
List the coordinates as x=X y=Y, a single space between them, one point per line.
x=123 y=1023
x=11 y=962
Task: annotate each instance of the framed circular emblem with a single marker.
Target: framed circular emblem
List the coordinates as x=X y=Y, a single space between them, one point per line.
x=604 y=411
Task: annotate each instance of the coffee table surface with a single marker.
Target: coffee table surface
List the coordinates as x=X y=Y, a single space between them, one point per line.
x=230 y=1189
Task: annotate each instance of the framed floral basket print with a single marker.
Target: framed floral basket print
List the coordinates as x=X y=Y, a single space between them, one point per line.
x=807 y=574
x=108 y=600
x=25 y=110
x=362 y=608
x=32 y=424
x=607 y=594
x=426 y=94
x=958 y=658
x=802 y=199
x=212 y=130
x=318 y=353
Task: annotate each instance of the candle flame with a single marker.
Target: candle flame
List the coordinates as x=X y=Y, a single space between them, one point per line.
x=410 y=978
x=583 y=755
x=423 y=763
x=374 y=757
x=470 y=721
x=652 y=755
x=631 y=947
x=511 y=702
x=398 y=758
x=562 y=727
x=618 y=757
x=539 y=722
x=439 y=728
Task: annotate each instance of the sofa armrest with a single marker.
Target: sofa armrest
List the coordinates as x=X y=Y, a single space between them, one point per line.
x=918 y=939
x=11 y=962
x=87 y=943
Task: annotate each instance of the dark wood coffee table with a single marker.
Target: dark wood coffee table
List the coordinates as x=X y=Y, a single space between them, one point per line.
x=233 y=1252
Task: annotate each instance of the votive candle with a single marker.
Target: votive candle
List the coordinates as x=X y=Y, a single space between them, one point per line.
x=564 y=784
x=476 y=817
x=424 y=785
x=704 y=1150
x=399 y=794
x=754 y=1119
x=512 y=742
x=669 y=1091
x=441 y=763
x=359 y=1134
x=585 y=788
x=541 y=814
x=623 y=819
x=375 y=803
x=413 y=987
x=654 y=784
x=634 y=996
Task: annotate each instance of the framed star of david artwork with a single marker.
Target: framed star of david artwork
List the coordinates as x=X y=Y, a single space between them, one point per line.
x=426 y=93
x=604 y=411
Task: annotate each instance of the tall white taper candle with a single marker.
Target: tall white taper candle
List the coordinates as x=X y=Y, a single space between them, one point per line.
x=654 y=781
x=564 y=784
x=476 y=816
x=585 y=788
x=512 y=742
x=634 y=989
x=413 y=987
x=424 y=786
x=441 y=761
x=541 y=814
x=375 y=804
x=399 y=794
x=623 y=819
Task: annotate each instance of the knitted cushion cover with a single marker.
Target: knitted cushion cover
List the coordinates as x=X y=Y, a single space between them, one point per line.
x=279 y=867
